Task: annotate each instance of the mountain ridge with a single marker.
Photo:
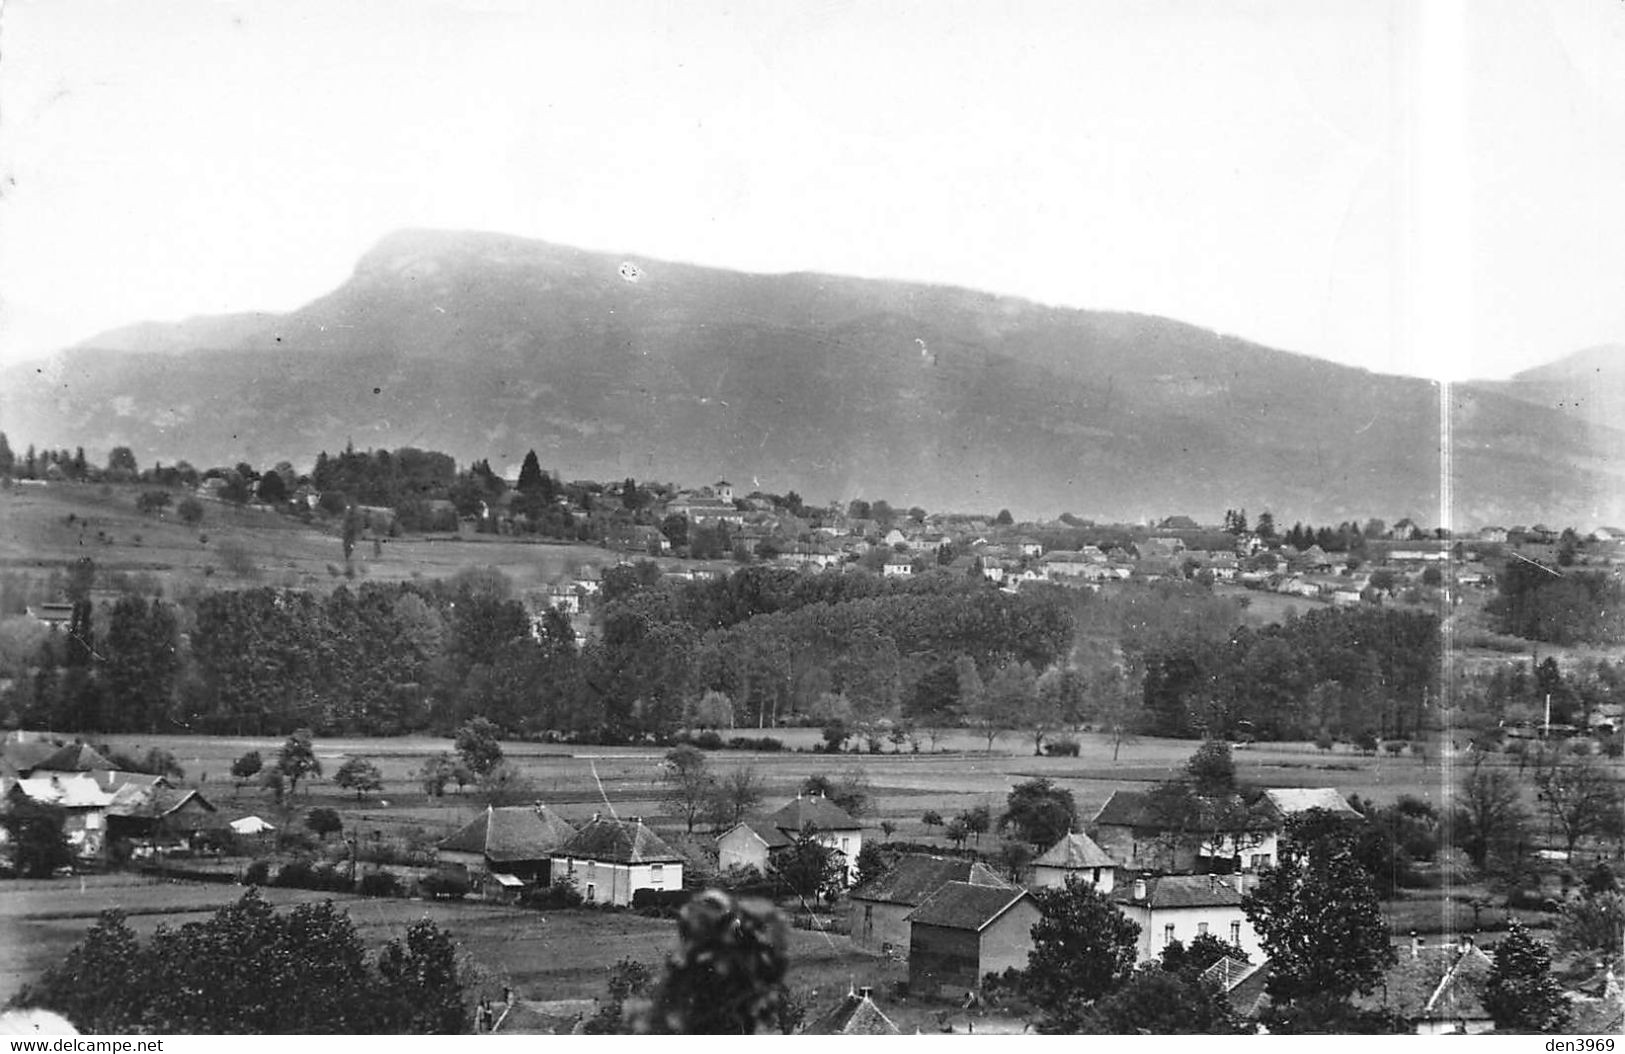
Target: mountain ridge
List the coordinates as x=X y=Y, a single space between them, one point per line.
x=486 y=345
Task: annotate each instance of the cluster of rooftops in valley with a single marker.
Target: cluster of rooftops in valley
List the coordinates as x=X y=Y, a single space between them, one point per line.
x=956 y=919
x=953 y=918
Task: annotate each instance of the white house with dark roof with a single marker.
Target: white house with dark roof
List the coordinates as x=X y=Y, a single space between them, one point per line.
x=830 y=824
x=81 y=802
x=1183 y=907
x=1075 y=856
x=609 y=860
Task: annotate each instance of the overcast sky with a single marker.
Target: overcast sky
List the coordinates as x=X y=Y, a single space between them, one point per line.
x=1282 y=171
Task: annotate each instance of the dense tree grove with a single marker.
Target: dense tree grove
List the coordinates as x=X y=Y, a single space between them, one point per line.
x=382 y=659
x=249 y=970
x=1571 y=607
x=1344 y=669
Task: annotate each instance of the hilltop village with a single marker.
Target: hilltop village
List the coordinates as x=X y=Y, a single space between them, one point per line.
x=950 y=771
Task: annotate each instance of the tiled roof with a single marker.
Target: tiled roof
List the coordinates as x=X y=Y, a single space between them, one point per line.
x=1075 y=851
x=1290 y=800
x=823 y=814
x=1182 y=891
x=775 y=838
x=856 y=1016
x=615 y=842
x=1250 y=995
x=1136 y=809
x=1438 y=983
x=1124 y=809
x=912 y=879
x=152 y=801
x=518 y=832
x=75 y=757
x=963 y=906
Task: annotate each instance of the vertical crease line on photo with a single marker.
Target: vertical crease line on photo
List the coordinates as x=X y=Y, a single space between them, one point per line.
x=1447 y=627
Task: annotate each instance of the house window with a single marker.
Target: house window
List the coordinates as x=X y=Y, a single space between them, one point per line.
x=1201 y=929
x=843 y=845
x=1260 y=860
x=1235 y=933
x=657 y=873
x=592 y=892
x=1096 y=879
x=571 y=867
x=1168 y=934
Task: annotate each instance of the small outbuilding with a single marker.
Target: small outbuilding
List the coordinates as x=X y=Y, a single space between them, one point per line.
x=964 y=932
x=879 y=908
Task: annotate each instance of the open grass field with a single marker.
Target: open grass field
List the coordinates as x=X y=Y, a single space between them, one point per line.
x=49 y=527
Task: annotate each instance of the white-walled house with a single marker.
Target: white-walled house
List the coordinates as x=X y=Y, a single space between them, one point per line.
x=1075 y=856
x=1183 y=907
x=750 y=845
x=830 y=824
x=609 y=860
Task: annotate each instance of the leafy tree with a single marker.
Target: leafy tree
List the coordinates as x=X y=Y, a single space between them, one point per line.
x=477 y=744
x=810 y=868
x=977 y=821
x=714 y=710
x=37 y=843
x=360 y=775
x=1211 y=770
x=298 y=760
x=246 y=768
x=733 y=796
x=436 y=772
x=1083 y=948
x=727 y=976
x=1004 y=519
x=190 y=510
x=1156 y=1002
x=247 y=970
x=1579 y=795
x=1318 y=920
x=629 y=982
x=688 y=782
x=422 y=983
x=1593 y=922
x=871 y=862
x=1521 y=993
x=849 y=791
x=504 y=784
x=1489 y=812
x=1038 y=812
x=323 y=822
x=273 y=489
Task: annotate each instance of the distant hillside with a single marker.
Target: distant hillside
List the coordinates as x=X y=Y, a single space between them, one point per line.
x=486 y=346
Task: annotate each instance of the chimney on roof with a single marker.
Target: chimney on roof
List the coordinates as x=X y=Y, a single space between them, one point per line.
x=1139 y=889
x=865 y=991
